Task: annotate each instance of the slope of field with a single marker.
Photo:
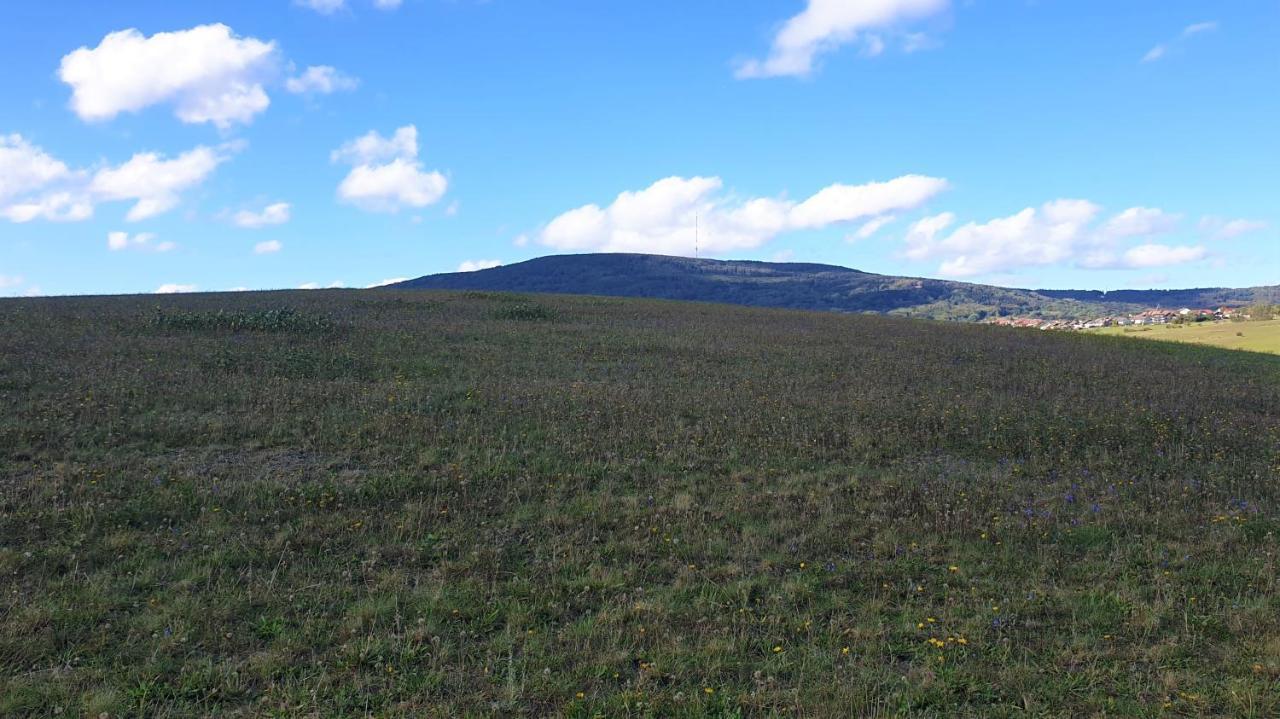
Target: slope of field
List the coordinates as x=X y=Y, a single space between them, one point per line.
x=1263 y=336
x=407 y=503
x=809 y=286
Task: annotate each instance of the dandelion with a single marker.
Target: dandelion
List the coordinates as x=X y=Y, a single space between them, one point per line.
x=708 y=690
x=953 y=569
x=777 y=649
x=844 y=651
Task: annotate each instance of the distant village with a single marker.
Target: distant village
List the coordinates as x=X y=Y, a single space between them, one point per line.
x=1146 y=317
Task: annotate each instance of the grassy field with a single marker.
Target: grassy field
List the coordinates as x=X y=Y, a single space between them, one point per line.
x=1263 y=336
x=381 y=503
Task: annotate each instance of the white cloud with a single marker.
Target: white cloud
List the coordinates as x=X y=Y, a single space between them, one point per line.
x=324 y=7
x=871 y=227
x=274 y=214
x=661 y=218
x=172 y=288
x=207 y=73
x=1155 y=255
x=1058 y=232
x=320 y=80
x=1222 y=229
x=142 y=241
x=1035 y=236
x=841 y=203
x=1140 y=221
x=1155 y=53
x=154 y=182
x=1161 y=50
x=825 y=25
x=24 y=167
x=268 y=247
x=384 y=283
x=54 y=207
x=16 y=286
x=336 y=284
x=34 y=185
x=329 y=7
x=473 y=265
x=25 y=171
x=372 y=147
x=387 y=174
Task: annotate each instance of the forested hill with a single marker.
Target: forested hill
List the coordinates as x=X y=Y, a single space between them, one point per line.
x=808 y=286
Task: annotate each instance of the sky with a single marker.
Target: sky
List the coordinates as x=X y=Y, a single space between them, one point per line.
x=154 y=146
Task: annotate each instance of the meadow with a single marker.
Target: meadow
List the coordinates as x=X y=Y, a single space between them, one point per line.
x=1259 y=336
x=417 y=503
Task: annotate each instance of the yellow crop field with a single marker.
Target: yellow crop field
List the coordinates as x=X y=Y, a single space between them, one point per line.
x=1261 y=336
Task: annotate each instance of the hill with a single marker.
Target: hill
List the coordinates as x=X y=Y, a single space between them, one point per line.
x=445 y=504
x=810 y=287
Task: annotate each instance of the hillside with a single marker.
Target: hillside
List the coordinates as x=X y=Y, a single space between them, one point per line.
x=807 y=286
x=446 y=504
x=1258 y=336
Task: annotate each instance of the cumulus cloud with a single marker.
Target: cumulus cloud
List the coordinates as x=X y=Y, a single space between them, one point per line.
x=208 y=73
x=268 y=247
x=1161 y=50
x=1061 y=231
x=661 y=217
x=320 y=80
x=384 y=283
x=1034 y=236
x=473 y=265
x=53 y=206
x=386 y=173
x=1223 y=229
x=372 y=147
x=825 y=25
x=1140 y=221
x=153 y=182
x=274 y=214
x=117 y=241
x=173 y=288
x=1156 y=255
x=24 y=166
x=34 y=185
x=336 y=284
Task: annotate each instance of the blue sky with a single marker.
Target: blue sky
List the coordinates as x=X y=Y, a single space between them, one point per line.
x=288 y=143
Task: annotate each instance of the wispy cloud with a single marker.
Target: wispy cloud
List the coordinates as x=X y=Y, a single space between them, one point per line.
x=825 y=25
x=1160 y=51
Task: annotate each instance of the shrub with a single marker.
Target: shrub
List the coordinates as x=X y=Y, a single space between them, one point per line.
x=525 y=311
x=283 y=319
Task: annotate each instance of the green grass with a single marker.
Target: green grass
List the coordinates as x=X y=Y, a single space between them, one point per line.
x=443 y=506
x=1261 y=336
